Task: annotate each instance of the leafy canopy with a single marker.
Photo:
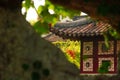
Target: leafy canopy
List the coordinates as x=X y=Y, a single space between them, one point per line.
x=44 y=17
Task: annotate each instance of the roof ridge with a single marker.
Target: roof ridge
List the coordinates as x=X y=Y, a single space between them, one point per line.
x=79 y=22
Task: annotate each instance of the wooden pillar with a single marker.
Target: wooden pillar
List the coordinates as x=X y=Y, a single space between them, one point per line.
x=81 y=57
x=115 y=56
x=95 y=55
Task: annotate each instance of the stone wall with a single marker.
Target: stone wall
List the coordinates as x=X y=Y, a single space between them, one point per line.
x=24 y=55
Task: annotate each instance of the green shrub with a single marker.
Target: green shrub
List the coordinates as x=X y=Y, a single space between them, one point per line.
x=71 y=50
x=104 y=67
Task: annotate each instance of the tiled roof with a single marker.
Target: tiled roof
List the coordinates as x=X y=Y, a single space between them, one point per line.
x=81 y=27
x=52 y=38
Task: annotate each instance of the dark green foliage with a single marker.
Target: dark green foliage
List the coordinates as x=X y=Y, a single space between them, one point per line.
x=103 y=70
x=41 y=27
x=25 y=67
x=44 y=16
x=35 y=76
x=85 y=57
x=46 y=72
x=37 y=64
x=103 y=9
x=105 y=48
x=114 y=33
x=27 y=4
x=104 y=67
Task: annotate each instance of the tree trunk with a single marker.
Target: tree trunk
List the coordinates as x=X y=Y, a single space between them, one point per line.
x=26 y=56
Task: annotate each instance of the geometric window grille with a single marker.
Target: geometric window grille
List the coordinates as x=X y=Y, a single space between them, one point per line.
x=104 y=68
x=87 y=48
x=103 y=49
x=88 y=64
x=107 y=63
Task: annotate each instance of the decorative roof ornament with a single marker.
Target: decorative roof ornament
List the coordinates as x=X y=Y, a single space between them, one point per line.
x=77 y=21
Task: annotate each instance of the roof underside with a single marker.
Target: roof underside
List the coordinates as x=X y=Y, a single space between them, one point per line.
x=52 y=38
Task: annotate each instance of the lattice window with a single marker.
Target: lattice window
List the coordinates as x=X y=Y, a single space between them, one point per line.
x=102 y=60
x=118 y=47
x=103 y=49
x=87 y=48
x=88 y=64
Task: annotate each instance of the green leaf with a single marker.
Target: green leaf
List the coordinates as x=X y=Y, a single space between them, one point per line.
x=44 y=11
x=103 y=9
x=104 y=67
x=45 y=17
x=41 y=27
x=114 y=33
x=65 y=12
x=106 y=40
x=51 y=7
x=27 y=4
x=40 y=9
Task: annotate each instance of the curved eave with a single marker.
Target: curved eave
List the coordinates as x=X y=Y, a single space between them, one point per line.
x=88 y=30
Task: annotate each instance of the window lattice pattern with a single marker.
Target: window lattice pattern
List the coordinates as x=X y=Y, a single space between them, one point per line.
x=118 y=46
x=87 y=48
x=111 y=68
x=86 y=66
x=102 y=46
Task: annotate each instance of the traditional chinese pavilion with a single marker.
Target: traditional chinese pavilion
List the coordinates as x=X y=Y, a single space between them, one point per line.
x=95 y=56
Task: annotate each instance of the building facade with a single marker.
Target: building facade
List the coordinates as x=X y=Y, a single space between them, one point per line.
x=97 y=55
